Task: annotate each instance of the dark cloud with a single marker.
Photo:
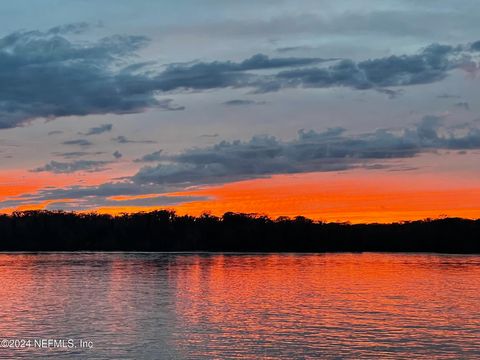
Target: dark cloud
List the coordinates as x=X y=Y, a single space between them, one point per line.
x=432 y=64
x=98 y=129
x=74 y=166
x=55 y=132
x=331 y=150
x=427 y=130
x=392 y=94
x=292 y=48
x=463 y=104
x=154 y=201
x=79 y=142
x=117 y=154
x=169 y=105
x=262 y=156
x=240 y=102
x=100 y=191
x=124 y=140
x=475 y=46
x=76 y=154
x=49 y=75
x=220 y=74
x=262 y=62
x=88 y=197
x=155 y=156
x=448 y=96
x=74 y=28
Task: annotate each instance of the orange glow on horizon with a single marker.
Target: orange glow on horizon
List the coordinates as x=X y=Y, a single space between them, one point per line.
x=357 y=197
x=354 y=196
x=19 y=181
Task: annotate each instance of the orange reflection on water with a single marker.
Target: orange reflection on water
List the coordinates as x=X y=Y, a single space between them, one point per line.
x=15 y=291
x=234 y=306
x=245 y=306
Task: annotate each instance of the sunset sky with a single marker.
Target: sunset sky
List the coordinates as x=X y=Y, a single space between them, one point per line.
x=364 y=111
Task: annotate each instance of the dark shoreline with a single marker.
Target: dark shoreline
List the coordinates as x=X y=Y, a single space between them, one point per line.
x=163 y=231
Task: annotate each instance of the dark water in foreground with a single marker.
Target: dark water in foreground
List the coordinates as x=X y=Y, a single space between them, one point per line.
x=180 y=306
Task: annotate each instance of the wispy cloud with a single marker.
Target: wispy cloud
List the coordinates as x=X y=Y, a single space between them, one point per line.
x=154 y=156
x=55 y=132
x=79 y=142
x=261 y=156
x=98 y=130
x=77 y=198
x=72 y=28
x=50 y=75
x=240 y=102
x=76 y=154
x=331 y=150
x=463 y=105
x=58 y=167
x=124 y=140
x=117 y=154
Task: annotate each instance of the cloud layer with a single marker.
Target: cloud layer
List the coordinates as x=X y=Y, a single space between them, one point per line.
x=43 y=74
x=261 y=156
x=77 y=198
x=58 y=167
x=330 y=150
x=96 y=130
x=430 y=65
x=47 y=75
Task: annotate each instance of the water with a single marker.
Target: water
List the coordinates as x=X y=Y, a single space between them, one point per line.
x=205 y=306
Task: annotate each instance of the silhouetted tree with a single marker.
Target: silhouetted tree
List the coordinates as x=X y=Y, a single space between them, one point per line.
x=165 y=231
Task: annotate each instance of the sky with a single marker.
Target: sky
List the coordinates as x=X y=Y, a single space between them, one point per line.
x=336 y=110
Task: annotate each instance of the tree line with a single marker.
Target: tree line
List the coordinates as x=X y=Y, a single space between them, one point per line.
x=233 y=232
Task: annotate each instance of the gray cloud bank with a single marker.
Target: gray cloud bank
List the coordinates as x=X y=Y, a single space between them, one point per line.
x=59 y=167
x=241 y=102
x=261 y=156
x=330 y=150
x=77 y=198
x=96 y=130
x=46 y=75
x=124 y=140
x=152 y=157
x=77 y=142
x=77 y=154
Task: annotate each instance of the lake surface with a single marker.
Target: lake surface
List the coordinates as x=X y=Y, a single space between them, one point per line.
x=234 y=306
